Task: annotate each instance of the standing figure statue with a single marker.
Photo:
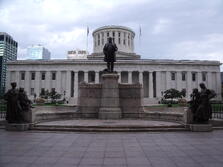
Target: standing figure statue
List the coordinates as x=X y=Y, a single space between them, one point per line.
x=17 y=104
x=194 y=102
x=12 y=114
x=109 y=51
x=200 y=104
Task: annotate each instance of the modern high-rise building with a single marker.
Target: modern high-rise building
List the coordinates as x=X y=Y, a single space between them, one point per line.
x=8 y=51
x=38 y=52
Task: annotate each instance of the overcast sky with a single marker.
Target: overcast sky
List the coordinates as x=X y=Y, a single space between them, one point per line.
x=171 y=29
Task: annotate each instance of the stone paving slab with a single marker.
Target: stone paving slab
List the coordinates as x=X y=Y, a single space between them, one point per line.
x=173 y=149
x=109 y=123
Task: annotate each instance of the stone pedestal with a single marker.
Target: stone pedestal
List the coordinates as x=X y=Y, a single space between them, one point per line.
x=188 y=116
x=110 y=107
x=201 y=127
x=17 y=127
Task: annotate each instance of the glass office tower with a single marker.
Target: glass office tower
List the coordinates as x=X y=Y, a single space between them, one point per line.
x=8 y=51
x=38 y=52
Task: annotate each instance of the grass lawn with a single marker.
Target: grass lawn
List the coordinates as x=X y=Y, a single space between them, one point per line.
x=48 y=104
x=165 y=105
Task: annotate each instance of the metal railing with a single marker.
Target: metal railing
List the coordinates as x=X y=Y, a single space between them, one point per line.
x=217 y=110
x=3 y=108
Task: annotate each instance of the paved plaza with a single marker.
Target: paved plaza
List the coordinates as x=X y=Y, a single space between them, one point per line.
x=167 y=149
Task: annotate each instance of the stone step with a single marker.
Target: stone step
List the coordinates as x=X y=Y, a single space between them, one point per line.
x=109 y=129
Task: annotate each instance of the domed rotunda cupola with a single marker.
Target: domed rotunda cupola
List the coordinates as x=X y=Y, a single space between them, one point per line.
x=122 y=36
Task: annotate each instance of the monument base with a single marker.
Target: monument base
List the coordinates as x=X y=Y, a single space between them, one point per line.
x=201 y=127
x=110 y=113
x=17 y=127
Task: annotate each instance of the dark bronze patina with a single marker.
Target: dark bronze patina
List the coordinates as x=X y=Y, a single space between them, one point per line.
x=110 y=57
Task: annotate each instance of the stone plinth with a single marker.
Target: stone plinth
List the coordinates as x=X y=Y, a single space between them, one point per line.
x=17 y=127
x=201 y=127
x=110 y=107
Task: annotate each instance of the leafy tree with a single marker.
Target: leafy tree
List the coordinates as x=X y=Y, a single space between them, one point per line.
x=54 y=96
x=172 y=93
x=183 y=93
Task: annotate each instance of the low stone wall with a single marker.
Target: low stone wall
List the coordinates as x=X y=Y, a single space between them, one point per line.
x=47 y=113
x=131 y=100
x=42 y=113
x=176 y=114
x=89 y=100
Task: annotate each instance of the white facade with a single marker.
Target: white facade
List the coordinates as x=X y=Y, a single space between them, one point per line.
x=156 y=76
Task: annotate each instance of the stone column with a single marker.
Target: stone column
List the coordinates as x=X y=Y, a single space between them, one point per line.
x=68 y=84
x=179 y=79
x=48 y=81
x=96 y=76
x=150 y=84
x=130 y=77
x=168 y=80
x=189 y=82
x=119 y=78
x=158 y=84
x=27 y=82
x=37 y=83
x=199 y=79
x=58 y=82
x=110 y=107
x=218 y=85
x=141 y=77
x=86 y=76
x=210 y=81
x=17 y=78
x=76 y=84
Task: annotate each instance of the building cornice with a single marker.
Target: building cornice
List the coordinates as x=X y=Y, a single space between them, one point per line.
x=121 y=62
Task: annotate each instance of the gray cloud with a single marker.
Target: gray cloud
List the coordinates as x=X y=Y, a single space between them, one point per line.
x=178 y=29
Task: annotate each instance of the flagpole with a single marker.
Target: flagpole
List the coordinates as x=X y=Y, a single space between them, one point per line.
x=140 y=34
x=87 y=38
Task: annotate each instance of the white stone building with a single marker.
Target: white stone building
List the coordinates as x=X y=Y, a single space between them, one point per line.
x=156 y=76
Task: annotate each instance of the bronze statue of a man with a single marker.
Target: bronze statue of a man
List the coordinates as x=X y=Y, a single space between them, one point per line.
x=12 y=114
x=200 y=104
x=109 y=51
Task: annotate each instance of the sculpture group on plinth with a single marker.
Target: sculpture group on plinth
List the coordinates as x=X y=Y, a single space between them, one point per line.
x=200 y=105
x=110 y=57
x=17 y=105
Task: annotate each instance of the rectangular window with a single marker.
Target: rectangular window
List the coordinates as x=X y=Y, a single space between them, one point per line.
x=124 y=39
x=53 y=75
x=32 y=75
x=43 y=75
x=53 y=90
x=22 y=75
x=193 y=76
x=204 y=76
x=183 y=76
x=1 y=37
x=173 y=76
x=128 y=40
x=98 y=39
x=32 y=91
x=42 y=91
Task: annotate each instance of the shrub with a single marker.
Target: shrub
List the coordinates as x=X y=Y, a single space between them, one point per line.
x=40 y=101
